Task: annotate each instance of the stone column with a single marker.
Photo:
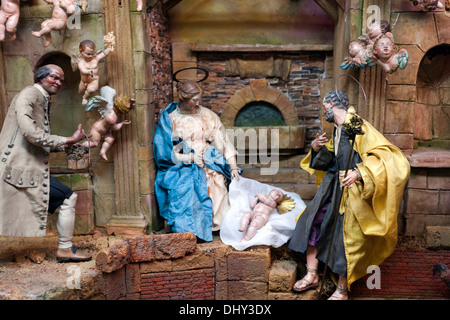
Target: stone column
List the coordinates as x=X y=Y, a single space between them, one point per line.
x=128 y=218
x=373 y=79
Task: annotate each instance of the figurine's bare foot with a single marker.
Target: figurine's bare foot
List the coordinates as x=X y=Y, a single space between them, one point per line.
x=47 y=43
x=245 y=238
x=339 y=294
x=84 y=102
x=36 y=33
x=308 y=282
x=103 y=155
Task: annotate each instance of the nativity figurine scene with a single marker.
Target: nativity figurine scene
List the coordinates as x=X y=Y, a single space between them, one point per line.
x=200 y=188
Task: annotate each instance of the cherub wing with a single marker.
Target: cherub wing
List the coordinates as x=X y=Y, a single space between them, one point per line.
x=402 y=59
x=74 y=61
x=348 y=63
x=96 y=102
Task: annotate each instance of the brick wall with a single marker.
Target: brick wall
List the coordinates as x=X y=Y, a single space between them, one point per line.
x=408 y=274
x=301 y=86
x=161 y=53
x=427 y=200
x=181 y=285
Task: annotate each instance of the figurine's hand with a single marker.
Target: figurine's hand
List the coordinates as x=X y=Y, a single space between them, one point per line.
x=198 y=159
x=349 y=180
x=235 y=174
x=319 y=141
x=77 y=136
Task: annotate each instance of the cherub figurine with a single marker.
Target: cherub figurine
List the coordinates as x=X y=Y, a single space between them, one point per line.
x=88 y=66
x=57 y=22
x=262 y=207
x=376 y=29
x=9 y=18
x=102 y=129
x=384 y=54
x=360 y=55
x=428 y=5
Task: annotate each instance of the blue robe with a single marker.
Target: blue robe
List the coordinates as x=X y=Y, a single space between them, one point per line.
x=181 y=188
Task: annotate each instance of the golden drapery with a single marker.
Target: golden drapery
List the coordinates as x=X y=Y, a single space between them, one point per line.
x=371 y=207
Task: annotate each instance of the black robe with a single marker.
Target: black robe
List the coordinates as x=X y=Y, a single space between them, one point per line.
x=329 y=192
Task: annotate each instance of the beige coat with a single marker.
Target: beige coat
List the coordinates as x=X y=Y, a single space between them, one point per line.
x=25 y=143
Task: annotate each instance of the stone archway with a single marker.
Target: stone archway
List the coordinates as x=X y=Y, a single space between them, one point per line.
x=287 y=139
x=258 y=90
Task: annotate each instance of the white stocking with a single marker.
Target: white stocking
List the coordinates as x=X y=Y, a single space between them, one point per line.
x=66 y=222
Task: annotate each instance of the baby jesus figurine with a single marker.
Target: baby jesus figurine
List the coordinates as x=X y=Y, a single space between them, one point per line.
x=88 y=66
x=9 y=18
x=102 y=129
x=57 y=22
x=262 y=207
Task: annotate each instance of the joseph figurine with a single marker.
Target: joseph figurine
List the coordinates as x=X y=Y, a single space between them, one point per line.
x=366 y=229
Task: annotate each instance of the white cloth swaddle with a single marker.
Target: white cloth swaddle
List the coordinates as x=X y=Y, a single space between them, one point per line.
x=277 y=231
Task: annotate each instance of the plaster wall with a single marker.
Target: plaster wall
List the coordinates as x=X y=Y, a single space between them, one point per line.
x=250 y=22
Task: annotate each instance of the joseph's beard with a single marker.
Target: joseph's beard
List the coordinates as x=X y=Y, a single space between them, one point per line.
x=329 y=116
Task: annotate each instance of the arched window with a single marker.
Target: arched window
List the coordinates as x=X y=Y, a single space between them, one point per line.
x=432 y=99
x=257 y=114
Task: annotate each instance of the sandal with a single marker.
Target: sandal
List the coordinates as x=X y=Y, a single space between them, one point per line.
x=309 y=285
x=342 y=291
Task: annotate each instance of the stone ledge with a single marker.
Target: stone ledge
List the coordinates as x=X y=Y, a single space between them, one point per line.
x=145 y=249
x=437 y=237
x=430 y=158
x=261 y=48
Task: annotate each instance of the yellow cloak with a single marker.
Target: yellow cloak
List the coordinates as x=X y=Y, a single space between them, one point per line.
x=371 y=208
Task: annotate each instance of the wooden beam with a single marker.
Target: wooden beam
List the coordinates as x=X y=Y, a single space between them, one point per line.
x=261 y=48
x=330 y=7
x=169 y=4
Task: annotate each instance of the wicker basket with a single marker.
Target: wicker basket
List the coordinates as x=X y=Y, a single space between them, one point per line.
x=83 y=163
x=79 y=164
